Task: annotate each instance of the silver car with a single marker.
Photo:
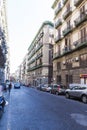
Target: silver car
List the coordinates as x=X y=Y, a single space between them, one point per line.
x=77 y=92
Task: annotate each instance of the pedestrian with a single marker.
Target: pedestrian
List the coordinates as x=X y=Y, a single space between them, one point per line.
x=9 y=87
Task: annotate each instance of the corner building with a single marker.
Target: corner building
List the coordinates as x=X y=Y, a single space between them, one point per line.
x=70 y=48
x=39 y=66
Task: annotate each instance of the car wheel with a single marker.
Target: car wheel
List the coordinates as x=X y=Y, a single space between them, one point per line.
x=67 y=95
x=84 y=99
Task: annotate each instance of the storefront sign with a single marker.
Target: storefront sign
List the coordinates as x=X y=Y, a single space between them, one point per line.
x=83 y=75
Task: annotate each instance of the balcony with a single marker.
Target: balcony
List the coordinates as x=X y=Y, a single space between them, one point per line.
x=58 y=10
x=67 y=13
x=32 y=61
x=77 y=2
x=58 y=23
x=4 y=47
x=39 y=55
x=82 y=42
x=66 y=50
x=80 y=20
x=56 y=55
x=34 y=67
x=64 y=2
x=39 y=46
x=58 y=38
x=2 y=58
x=67 y=30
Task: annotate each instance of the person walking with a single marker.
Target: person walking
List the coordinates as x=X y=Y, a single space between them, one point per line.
x=9 y=87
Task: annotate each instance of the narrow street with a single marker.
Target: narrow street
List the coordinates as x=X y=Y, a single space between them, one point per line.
x=31 y=109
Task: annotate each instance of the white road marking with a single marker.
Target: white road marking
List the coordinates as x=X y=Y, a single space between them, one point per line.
x=80 y=118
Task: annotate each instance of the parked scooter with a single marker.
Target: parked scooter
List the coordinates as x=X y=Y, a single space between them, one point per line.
x=2 y=103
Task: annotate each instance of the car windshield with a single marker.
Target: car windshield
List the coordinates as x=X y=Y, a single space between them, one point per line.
x=78 y=88
x=82 y=88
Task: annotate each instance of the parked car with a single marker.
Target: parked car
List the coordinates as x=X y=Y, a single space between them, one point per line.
x=17 y=85
x=75 y=84
x=40 y=86
x=57 y=89
x=46 y=88
x=77 y=92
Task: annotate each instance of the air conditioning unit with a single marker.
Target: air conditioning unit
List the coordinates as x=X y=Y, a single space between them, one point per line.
x=77 y=58
x=64 y=62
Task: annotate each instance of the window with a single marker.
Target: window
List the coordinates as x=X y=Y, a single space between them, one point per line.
x=83 y=34
x=66 y=46
x=59 y=49
x=83 y=60
x=68 y=24
x=58 y=65
x=82 y=88
x=67 y=43
x=59 y=79
x=59 y=33
x=40 y=61
x=82 y=11
x=69 y=79
x=68 y=7
x=68 y=64
x=59 y=5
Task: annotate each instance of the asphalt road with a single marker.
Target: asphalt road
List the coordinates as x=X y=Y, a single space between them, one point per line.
x=31 y=109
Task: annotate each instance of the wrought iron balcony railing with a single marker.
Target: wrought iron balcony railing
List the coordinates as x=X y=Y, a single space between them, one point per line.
x=58 y=10
x=57 y=54
x=67 y=30
x=34 y=67
x=81 y=42
x=35 y=50
x=80 y=19
x=67 y=13
x=39 y=55
x=58 y=38
x=58 y=23
x=66 y=49
x=39 y=46
x=77 y=2
x=64 y=1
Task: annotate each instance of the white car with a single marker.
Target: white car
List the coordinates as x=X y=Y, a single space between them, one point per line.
x=77 y=92
x=17 y=85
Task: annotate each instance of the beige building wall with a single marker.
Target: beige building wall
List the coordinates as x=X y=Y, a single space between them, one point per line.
x=70 y=19
x=39 y=53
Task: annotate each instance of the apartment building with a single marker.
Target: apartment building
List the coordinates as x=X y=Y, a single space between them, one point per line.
x=23 y=71
x=39 y=64
x=4 y=49
x=70 y=48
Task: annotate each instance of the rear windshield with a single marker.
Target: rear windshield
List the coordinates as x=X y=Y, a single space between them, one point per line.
x=55 y=86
